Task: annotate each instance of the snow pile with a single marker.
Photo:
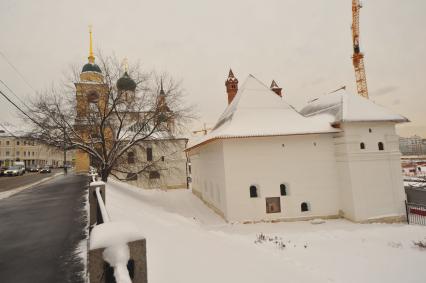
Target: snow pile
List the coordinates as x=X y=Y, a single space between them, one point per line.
x=113 y=233
x=114 y=236
x=117 y=256
x=97 y=183
x=187 y=242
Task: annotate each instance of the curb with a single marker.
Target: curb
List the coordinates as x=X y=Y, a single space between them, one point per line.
x=12 y=192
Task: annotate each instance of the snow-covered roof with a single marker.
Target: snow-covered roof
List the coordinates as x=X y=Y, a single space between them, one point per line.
x=347 y=107
x=258 y=111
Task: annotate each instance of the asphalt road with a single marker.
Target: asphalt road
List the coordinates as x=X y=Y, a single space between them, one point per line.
x=40 y=230
x=9 y=183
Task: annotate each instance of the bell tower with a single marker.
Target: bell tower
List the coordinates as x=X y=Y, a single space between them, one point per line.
x=231 y=84
x=90 y=89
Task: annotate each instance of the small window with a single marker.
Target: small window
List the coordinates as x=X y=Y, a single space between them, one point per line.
x=283 y=190
x=149 y=154
x=17 y=143
x=130 y=157
x=370 y=130
x=162 y=158
x=304 y=207
x=154 y=175
x=381 y=146
x=253 y=192
x=362 y=145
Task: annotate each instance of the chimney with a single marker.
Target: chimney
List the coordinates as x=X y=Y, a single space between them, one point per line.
x=275 y=88
x=231 y=84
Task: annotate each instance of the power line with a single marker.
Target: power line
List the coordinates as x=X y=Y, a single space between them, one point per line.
x=14 y=94
x=17 y=71
x=19 y=108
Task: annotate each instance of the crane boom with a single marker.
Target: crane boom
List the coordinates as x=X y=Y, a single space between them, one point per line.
x=358 y=57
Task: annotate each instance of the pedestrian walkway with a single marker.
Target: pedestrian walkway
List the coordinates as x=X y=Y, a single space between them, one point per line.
x=41 y=230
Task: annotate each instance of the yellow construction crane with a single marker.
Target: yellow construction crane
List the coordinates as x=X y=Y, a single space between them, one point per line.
x=358 y=57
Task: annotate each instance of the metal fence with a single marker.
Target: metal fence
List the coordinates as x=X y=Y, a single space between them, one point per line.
x=416 y=213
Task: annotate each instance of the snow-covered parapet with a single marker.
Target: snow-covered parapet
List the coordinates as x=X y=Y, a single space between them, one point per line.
x=97 y=183
x=113 y=233
x=113 y=237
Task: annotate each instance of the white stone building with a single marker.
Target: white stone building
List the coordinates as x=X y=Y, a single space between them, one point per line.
x=338 y=156
x=165 y=162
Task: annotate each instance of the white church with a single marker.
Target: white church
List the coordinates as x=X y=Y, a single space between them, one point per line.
x=263 y=160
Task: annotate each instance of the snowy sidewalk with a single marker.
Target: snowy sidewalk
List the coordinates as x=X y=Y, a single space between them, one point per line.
x=187 y=242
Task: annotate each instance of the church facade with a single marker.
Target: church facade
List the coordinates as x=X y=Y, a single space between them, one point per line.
x=162 y=155
x=263 y=160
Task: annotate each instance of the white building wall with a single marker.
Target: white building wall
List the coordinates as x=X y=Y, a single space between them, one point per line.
x=208 y=174
x=168 y=159
x=305 y=163
x=370 y=179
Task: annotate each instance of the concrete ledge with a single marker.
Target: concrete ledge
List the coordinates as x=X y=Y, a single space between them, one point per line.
x=386 y=219
x=293 y=219
x=101 y=272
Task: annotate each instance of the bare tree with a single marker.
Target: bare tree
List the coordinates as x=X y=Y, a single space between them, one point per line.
x=114 y=119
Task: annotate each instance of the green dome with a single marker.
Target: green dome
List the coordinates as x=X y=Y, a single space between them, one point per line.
x=91 y=68
x=126 y=83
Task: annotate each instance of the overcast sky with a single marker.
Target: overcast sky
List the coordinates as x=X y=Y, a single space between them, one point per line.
x=305 y=46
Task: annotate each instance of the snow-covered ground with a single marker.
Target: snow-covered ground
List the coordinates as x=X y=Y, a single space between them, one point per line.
x=187 y=242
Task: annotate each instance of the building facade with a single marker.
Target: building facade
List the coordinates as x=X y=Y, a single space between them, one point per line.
x=414 y=145
x=33 y=153
x=157 y=162
x=337 y=157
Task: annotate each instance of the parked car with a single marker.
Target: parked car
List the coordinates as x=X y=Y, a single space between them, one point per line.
x=32 y=169
x=2 y=169
x=15 y=171
x=45 y=169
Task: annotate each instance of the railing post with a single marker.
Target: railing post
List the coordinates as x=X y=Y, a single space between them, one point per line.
x=99 y=269
x=407 y=212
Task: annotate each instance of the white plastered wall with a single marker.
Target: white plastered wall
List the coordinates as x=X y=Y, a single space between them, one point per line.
x=208 y=174
x=304 y=163
x=370 y=179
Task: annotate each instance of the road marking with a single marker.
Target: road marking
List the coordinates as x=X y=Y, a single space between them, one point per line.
x=12 y=192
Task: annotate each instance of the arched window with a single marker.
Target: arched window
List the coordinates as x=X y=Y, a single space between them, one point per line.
x=362 y=145
x=304 y=207
x=381 y=146
x=253 y=191
x=283 y=189
x=130 y=157
x=93 y=97
x=370 y=130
